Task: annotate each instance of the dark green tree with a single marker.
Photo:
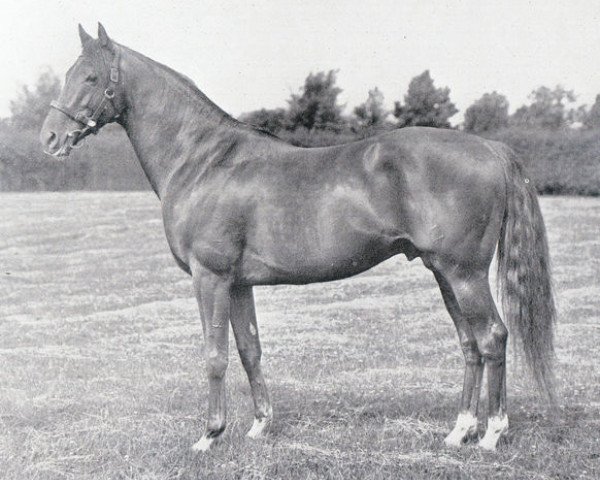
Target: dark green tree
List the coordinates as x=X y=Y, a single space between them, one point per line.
x=425 y=105
x=577 y=116
x=271 y=120
x=31 y=106
x=487 y=114
x=592 y=119
x=372 y=112
x=548 y=108
x=316 y=106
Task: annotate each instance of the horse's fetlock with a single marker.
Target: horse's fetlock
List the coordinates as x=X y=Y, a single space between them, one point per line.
x=215 y=430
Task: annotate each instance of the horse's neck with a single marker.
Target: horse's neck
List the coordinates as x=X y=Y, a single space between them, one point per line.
x=167 y=121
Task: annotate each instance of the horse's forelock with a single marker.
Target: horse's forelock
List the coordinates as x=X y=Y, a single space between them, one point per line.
x=93 y=52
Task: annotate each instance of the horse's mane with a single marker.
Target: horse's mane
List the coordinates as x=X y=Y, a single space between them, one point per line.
x=190 y=88
x=180 y=81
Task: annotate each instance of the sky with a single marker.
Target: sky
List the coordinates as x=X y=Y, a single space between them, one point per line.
x=251 y=54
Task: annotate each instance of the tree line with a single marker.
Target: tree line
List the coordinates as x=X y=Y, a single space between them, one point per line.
x=316 y=107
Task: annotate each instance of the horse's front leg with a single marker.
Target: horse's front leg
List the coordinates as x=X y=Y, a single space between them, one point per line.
x=213 y=295
x=245 y=329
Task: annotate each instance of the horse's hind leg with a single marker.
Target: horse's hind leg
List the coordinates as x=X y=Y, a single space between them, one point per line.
x=245 y=329
x=466 y=423
x=471 y=290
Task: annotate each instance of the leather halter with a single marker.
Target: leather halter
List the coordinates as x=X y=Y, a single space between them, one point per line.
x=90 y=123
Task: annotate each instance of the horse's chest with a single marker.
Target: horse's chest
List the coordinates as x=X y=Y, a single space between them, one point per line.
x=203 y=233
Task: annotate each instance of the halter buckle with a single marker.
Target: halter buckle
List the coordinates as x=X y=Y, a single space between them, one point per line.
x=114 y=74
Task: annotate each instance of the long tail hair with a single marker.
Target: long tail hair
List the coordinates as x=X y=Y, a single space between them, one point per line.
x=524 y=276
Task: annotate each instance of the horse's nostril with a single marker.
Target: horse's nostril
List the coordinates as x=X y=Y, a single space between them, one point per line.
x=48 y=138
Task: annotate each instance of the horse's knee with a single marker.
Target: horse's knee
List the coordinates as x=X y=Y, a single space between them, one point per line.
x=493 y=344
x=216 y=365
x=471 y=352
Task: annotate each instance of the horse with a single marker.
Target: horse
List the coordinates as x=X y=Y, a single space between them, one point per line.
x=241 y=208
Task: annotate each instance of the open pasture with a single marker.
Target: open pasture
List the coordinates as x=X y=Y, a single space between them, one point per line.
x=103 y=373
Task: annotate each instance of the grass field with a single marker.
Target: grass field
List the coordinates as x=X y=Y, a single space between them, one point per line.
x=103 y=378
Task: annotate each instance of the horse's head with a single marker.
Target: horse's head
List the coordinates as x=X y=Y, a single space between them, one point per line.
x=91 y=97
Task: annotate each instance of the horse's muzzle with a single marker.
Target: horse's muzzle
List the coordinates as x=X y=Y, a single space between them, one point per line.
x=57 y=147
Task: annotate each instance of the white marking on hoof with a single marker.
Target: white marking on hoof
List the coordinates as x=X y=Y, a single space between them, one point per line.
x=466 y=424
x=497 y=426
x=258 y=427
x=203 y=445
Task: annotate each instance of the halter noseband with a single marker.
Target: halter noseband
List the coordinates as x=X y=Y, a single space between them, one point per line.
x=90 y=123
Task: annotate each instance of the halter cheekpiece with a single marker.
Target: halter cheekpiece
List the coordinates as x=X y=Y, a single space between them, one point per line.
x=90 y=123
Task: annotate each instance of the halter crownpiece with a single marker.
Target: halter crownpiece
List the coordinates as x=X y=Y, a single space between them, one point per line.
x=90 y=123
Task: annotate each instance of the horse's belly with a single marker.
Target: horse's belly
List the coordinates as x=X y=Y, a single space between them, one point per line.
x=300 y=265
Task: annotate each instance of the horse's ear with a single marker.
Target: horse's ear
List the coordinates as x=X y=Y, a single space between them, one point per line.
x=84 y=36
x=103 y=37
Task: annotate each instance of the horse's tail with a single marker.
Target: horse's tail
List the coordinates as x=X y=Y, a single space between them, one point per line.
x=524 y=275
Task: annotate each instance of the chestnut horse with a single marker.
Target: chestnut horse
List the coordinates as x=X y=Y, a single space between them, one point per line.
x=242 y=208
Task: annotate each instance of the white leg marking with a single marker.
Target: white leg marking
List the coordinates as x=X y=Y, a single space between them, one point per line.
x=203 y=445
x=496 y=427
x=466 y=424
x=258 y=427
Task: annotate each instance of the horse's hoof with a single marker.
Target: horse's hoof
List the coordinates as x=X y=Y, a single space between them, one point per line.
x=497 y=426
x=488 y=444
x=259 y=427
x=466 y=427
x=205 y=443
x=453 y=441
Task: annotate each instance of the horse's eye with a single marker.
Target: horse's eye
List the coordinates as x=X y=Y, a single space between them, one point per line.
x=91 y=78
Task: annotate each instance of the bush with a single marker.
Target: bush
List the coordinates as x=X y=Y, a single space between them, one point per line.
x=105 y=162
x=424 y=104
x=265 y=119
x=488 y=114
x=547 y=110
x=372 y=112
x=303 y=137
x=560 y=162
x=316 y=107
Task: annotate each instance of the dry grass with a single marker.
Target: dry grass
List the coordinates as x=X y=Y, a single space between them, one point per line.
x=103 y=378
